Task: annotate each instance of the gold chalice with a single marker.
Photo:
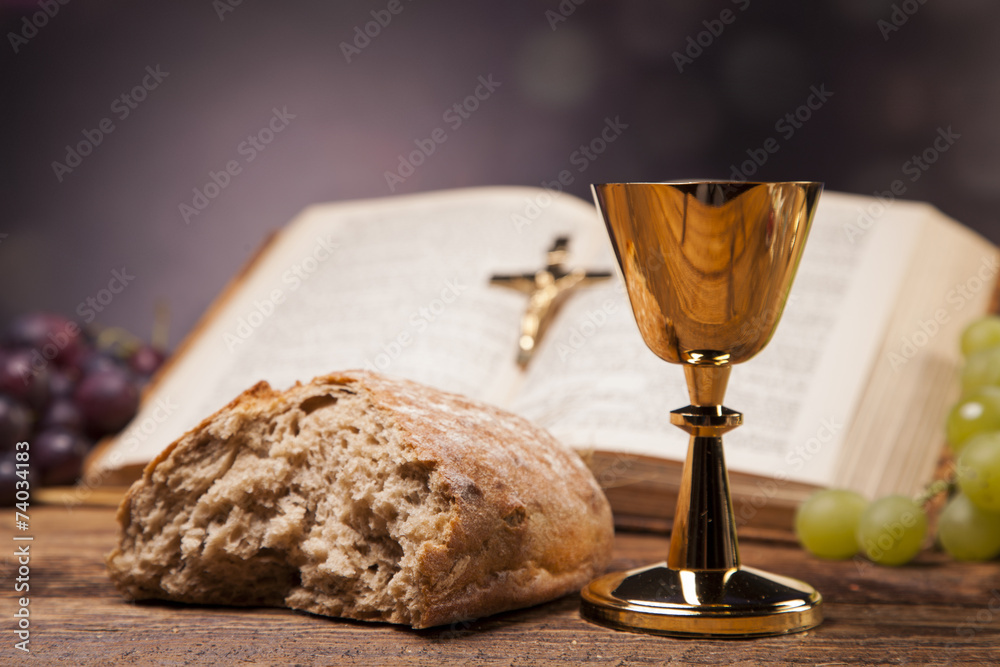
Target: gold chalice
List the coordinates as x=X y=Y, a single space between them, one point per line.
x=708 y=266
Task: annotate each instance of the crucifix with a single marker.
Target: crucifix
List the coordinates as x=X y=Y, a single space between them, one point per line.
x=546 y=288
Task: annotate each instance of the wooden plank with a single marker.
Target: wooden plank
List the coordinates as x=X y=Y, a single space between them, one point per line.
x=934 y=611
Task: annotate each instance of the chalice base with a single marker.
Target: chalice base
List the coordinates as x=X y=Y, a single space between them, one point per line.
x=738 y=602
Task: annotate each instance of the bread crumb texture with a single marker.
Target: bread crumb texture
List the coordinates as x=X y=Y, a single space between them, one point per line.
x=363 y=497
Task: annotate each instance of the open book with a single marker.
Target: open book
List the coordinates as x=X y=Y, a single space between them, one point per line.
x=851 y=391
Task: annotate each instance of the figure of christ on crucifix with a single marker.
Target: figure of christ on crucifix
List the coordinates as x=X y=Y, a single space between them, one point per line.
x=546 y=289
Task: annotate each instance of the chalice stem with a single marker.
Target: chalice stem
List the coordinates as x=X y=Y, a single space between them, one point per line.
x=704 y=532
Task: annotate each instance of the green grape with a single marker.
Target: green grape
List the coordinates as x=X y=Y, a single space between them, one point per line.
x=891 y=530
x=827 y=521
x=978 y=471
x=981 y=368
x=967 y=532
x=981 y=334
x=977 y=413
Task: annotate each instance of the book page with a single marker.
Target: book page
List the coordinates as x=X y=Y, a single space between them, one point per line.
x=895 y=443
x=399 y=286
x=596 y=385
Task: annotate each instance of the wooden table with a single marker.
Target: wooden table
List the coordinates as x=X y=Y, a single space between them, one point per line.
x=932 y=612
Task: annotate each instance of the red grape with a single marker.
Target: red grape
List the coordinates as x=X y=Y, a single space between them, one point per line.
x=97 y=360
x=62 y=413
x=57 y=455
x=54 y=337
x=21 y=380
x=8 y=479
x=61 y=383
x=15 y=422
x=145 y=360
x=107 y=399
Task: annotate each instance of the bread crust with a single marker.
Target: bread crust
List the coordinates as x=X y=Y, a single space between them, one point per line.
x=520 y=521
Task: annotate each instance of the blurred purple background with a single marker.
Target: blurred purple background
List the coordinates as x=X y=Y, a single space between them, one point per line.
x=225 y=67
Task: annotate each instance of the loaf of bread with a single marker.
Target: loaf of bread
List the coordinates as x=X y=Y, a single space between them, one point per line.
x=363 y=497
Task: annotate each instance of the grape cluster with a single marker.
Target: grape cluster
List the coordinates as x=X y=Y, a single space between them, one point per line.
x=62 y=389
x=837 y=524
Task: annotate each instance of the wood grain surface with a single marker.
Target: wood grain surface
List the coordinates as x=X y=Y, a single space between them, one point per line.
x=932 y=612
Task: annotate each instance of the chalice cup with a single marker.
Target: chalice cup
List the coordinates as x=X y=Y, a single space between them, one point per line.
x=708 y=266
